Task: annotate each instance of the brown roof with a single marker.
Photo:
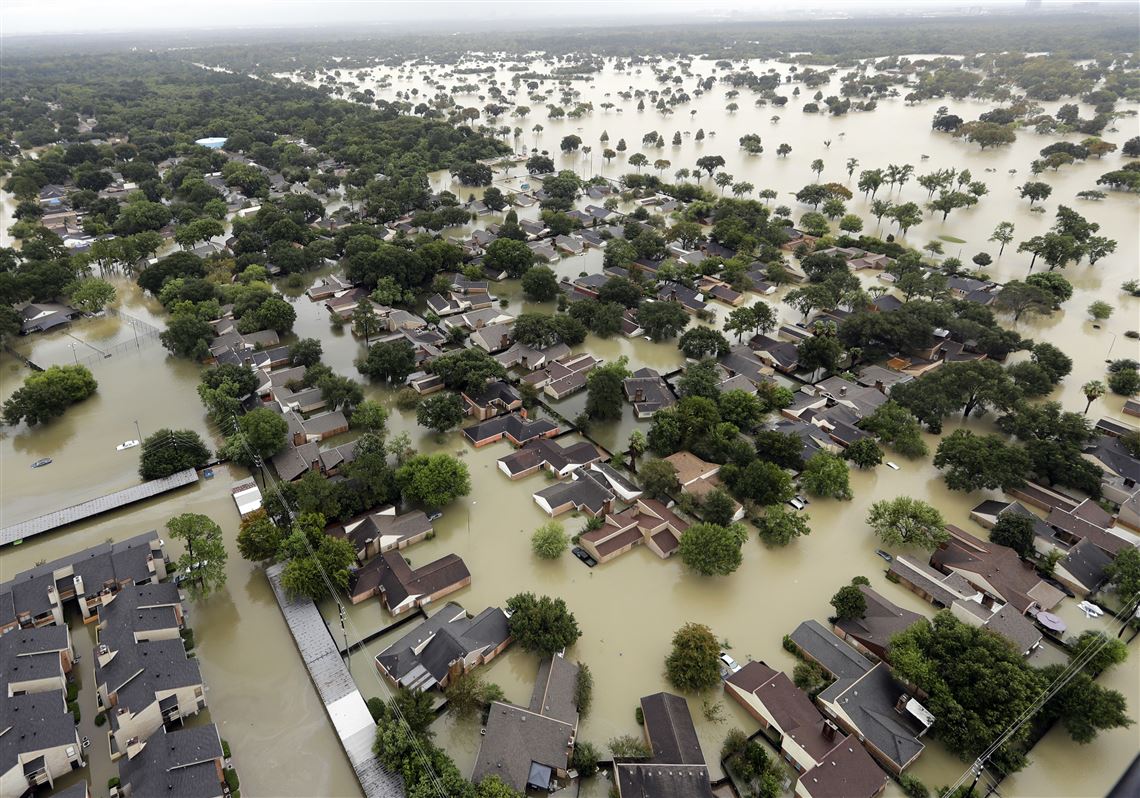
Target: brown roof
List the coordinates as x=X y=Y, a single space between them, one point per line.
x=790 y=707
x=999 y=566
x=881 y=621
x=847 y=772
x=689 y=466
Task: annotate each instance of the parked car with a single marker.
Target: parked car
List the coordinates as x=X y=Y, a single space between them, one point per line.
x=584 y=556
x=797 y=502
x=729 y=666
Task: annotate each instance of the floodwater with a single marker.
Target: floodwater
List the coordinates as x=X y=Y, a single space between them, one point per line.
x=627 y=609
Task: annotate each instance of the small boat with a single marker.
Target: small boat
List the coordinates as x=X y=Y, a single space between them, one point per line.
x=126 y=445
x=43 y=461
x=885 y=555
x=892 y=465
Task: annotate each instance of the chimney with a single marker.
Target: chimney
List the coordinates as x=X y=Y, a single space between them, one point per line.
x=829 y=730
x=639 y=395
x=900 y=705
x=842 y=390
x=77 y=580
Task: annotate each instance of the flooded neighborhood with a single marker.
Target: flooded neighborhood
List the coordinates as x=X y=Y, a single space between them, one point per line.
x=371 y=427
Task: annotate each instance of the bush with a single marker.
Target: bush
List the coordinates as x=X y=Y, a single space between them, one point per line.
x=639 y=716
x=630 y=746
x=376 y=708
x=226 y=748
x=913 y=787
x=585 y=759
x=407 y=399
x=73 y=707
x=232 y=779
x=101 y=719
x=113 y=782
x=549 y=541
x=583 y=688
x=187 y=638
x=72 y=690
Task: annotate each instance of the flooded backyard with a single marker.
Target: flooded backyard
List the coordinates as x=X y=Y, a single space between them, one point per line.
x=259 y=692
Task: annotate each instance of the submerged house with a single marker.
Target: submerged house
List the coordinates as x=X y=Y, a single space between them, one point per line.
x=445 y=646
x=865 y=700
x=647 y=521
x=676 y=767
x=402 y=588
x=549 y=454
x=827 y=762
x=530 y=747
x=648 y=392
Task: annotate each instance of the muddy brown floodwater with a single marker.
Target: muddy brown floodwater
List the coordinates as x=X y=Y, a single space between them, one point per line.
x=259 y=692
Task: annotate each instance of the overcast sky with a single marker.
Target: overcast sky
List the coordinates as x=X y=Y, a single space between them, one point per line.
x=24 y=17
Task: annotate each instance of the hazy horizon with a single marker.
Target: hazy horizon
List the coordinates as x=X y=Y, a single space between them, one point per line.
x=27 y=18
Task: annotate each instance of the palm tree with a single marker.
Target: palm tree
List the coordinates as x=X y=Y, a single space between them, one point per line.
x=1093 y=390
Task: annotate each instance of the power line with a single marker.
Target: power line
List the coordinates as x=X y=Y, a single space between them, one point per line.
x=413 y=739
x=1075 y=666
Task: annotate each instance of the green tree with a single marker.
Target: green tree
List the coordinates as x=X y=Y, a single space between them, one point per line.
x=780 y=526
x=1125 y=382
x=1123 y=573
x=693 y=664
x=662 y=319
x=700 y=342
x=659 y=478
x=433 y=480
x=973 y=462
x=187 y=336
x=169 y=451
x=306 y=352
x=849 y=603
x=91 y=295
x=262 y=433
x=468 y=694
x=258 y=537
x=825 y=474
x=540 y=284
x=897 y=427
x=604 y=386
x=549 y=541
x=440 y=412
x=864 y=453
x=1015 y=531
x=585 y=759
x=370 y=416
x=710 y=549
x=762 y=482
x=391 y=361
x=513 y=257
x=203 y=563
x=904 y=521
x=541 y=625
x=718 y=507
x=47 y=394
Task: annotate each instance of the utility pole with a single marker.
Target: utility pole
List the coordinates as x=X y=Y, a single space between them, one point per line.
x=137 y=432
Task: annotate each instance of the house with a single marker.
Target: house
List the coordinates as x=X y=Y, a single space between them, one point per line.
x=648 y=392
x=530 y=748
x=988 y=512
x=293 y=462
x=384 y=531
x=647 y=521
x=1129 y=515
x=1083 y=568
x=586 y=492
x=865 y=700
x=38 y=742
x=496 y=398
x=740 y=361
x=590 y=284
x=38 y=596
x=568 y=375
x=324 y=426
x=698 y=478
x=720 y=291
x=493 y=338
x=871 y=634
x=45 y=316
x=1005 y=621
x=692 y=301
x=995 y=571
x=676 y=768
x=423 y=383
x=443 y=647
x=630 y=327
x=779 y=355
x=143 y=678
x=400 y=587
x=477 y=319
x=807 y=740
x=1131 y=407
x=327 y=287
x=1089 y=521
x=881 y=379
x=1121 y=471
x=549 y=454
x=531 y=359
x=515 y=427
x=343 y=305
x=189 y=763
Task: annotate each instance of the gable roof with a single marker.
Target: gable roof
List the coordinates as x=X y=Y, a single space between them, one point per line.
x=670 y=730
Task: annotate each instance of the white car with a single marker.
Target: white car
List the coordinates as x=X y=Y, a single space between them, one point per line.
x=729 y=663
